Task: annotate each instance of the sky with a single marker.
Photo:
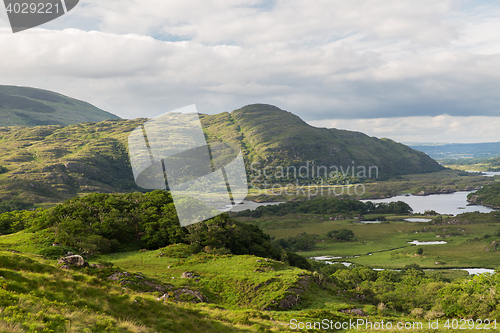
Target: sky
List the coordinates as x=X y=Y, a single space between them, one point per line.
x=413 y=71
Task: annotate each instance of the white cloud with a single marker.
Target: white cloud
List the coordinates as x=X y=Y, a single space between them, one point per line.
x=321 y=60
x=442 y=128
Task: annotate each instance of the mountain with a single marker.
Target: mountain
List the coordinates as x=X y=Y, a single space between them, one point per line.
x=32 y=107
x=273 y=137
x=54 y=163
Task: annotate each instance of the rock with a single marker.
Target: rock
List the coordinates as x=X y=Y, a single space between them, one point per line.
x=56 y=244
x=70 y=254
x=185 y=295
x=492 y=247
x=187 y=275
x=75 y=260
x=114 y=277
x=357 y=312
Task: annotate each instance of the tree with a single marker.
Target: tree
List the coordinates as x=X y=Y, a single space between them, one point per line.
x=342 y=234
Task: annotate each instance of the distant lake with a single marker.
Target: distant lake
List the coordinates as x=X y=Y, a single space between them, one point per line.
x=416 y=242
x=487 y=173
x=416 y=219
x=252 y=205
x=453 y=203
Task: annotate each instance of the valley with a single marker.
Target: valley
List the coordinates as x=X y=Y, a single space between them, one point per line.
x=70 y=189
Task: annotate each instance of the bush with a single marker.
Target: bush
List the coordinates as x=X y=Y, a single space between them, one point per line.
x=342 y=234
x=296 y=260
x=54 y=252
x=175 y=251
x=301 y=242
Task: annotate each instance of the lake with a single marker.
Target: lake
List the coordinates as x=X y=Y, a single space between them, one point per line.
x=487 y=173
x=246 y=204
x=453 y=203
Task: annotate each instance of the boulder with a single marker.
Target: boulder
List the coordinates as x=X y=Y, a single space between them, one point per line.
x=184 y=295
x=74 y=260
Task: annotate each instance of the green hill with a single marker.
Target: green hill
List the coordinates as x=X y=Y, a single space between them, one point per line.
x=273 y=137
x=487 y=196
x=209 y=279
x=54 y=163
x=33 y=107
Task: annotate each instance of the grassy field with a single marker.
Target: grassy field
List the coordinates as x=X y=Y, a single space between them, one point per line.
x=241 y=293
x=385 y=245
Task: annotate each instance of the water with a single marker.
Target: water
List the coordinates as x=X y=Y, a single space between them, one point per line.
x=416 y=242
x=252 y=205
x=487 y=173
x=471 y=271
x=474 y=271
x=416 y=219
x=453 y=203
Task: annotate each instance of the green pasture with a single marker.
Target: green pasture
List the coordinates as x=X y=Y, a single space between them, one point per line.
x=385 y=244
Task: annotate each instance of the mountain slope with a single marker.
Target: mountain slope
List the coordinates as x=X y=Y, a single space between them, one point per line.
x=32 y=107
x=54 y=163
x=275 y=137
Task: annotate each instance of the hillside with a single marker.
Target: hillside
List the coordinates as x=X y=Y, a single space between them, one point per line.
x=54 y=163
x=488 y=196
x=32 y=107
x=212 y=279
x=272 y=137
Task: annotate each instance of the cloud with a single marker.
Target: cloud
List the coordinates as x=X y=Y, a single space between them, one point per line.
x=319 y=60
x=438 y=129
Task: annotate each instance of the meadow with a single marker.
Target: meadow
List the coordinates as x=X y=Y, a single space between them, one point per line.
x=385 y=244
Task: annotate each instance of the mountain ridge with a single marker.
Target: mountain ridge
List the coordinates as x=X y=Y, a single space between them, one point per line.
x=271 y=136
x=54 y=163
x=26 y=106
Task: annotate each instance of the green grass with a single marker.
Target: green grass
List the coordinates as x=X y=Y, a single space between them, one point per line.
x=37 y=296
x=229 y=280
x=388 y=242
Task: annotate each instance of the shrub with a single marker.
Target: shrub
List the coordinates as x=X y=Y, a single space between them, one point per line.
x=342 y=234
x=175 y=251
x=54 y=252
